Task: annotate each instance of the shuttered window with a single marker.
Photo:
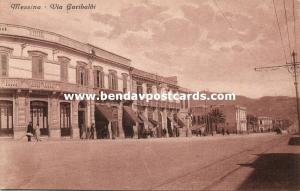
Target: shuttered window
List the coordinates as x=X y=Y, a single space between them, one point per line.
x=4 y=65
x=37 y=67
x=98 y=79
x=82 y=76
x=125 y=83
x=113 y=81
x=64 y=71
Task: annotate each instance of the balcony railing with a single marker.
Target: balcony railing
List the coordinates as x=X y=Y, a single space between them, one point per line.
x=154 y=77
x=160 y=104
x=36 y=84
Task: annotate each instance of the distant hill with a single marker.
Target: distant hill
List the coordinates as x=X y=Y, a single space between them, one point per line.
x=274 y=106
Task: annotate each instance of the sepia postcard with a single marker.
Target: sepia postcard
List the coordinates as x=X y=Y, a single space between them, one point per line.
x=149 y=95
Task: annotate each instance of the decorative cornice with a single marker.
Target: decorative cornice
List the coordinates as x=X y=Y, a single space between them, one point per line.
x=63 y=59
x=37 y=53
x=6 y=49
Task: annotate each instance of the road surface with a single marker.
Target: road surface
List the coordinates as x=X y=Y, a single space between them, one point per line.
x=255 y=161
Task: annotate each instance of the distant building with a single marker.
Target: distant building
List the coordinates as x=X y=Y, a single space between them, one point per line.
x=265 y=123
x=235 y=118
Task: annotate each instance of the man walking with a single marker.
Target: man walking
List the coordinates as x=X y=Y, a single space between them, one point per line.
x=29 y=133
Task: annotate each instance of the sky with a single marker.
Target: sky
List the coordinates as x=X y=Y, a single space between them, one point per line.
x=208 y=44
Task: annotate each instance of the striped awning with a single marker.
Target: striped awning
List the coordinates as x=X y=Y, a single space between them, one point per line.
x=105 y=112
x=130 y=115
x=145 y=120
x=179 y=121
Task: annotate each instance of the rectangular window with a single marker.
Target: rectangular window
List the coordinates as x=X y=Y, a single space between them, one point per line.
x=149 y=89
x=113 y=81
x=4 y=63
x=181 y=104
x=99 y=78
x=124 y=83
x=64 y=71
x=82 y=77
x=37 y=67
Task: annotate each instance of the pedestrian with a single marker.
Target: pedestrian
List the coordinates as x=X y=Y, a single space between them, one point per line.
x=83 y=131
x=223 y=131
x=29 y=133
x=227 y=132
x=87 y=133
x=37 y=133
x=164 y=132
x=92 y=130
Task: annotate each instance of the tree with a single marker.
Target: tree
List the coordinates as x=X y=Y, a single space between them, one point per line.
x=252 y=122
x=216 y=116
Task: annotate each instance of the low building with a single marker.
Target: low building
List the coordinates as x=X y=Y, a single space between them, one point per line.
x=265 y=123
x=235 y=118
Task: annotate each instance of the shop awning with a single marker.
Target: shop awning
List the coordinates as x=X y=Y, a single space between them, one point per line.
x=179 y=121
x=129 y=113
x=104 y=111
x=143 y=118
x=154 y=123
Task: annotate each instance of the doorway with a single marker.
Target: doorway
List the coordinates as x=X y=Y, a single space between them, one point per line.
x=39 y=116
x=6 y=118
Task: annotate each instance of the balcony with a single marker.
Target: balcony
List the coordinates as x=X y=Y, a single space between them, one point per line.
x=159 y=104
x=44 y=85
x=153 y=77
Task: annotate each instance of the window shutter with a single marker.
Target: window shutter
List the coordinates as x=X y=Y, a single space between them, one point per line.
x=95 y=75
x=34 y=67
x=77 y=75
x=116 y=82
x=102 y=79
x=40 y=65
x=110 y=81
x=86 y=77
x=4 y=65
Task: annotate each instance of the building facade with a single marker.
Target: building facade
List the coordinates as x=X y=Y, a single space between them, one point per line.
x=232 y=118
x=38 y=67
x=265 y=123
x=159 y=118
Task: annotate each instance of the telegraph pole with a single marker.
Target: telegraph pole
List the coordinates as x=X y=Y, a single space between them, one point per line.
x=295 y=72
x=293 y=68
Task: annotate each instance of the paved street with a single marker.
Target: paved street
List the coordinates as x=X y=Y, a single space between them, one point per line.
x=256 y=161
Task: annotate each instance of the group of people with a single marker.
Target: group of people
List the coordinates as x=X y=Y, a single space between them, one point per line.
x=33 y=132
x=87 y=133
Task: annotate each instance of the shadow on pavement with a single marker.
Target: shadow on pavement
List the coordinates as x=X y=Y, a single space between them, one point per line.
x=274 y=171
x=294 y=141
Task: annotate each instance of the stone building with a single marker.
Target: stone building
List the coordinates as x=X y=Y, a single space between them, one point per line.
x=235 y=117
x=38 y=67
x=265 y=123
x=158 y=118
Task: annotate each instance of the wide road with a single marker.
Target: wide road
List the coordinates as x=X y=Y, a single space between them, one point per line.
x=255 y=161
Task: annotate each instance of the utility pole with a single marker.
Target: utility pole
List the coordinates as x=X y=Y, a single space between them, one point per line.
x=293 y=68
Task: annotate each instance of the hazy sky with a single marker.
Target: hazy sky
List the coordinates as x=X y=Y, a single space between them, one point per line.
x=212 y=45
